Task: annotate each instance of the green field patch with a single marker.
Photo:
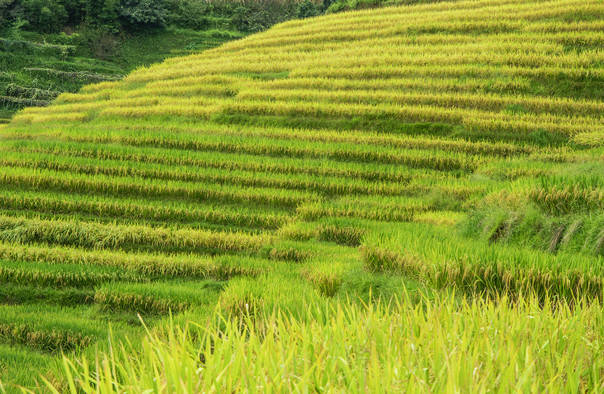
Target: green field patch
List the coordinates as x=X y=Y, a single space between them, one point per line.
x=49 y=329
x=390 y=199
x=158 y=297
x=27 y=294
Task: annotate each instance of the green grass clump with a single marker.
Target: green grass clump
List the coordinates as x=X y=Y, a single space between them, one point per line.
x=432 y=255
x=342 y=235
x=20 y=364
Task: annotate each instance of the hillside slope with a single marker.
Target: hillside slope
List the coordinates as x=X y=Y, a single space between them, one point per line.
x=35 y=72
x=450 y=145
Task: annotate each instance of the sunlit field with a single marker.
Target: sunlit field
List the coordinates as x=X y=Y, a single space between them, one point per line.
x=408 y=198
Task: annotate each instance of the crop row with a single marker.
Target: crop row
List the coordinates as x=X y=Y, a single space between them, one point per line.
x=176 y=265
x=442 y=156
x=431 y=92
x=227 y=161
x=113 y=187
x=265 y=60
x=324 y=186
x=126 y=103
x=208 y=89
x=203 y=137
x=100 y=236
x=198 y=132
x=330 y=136
x=568 y=198
x=492 y=279
x=129 y=187
x=493 y=57
x=438 y=42
x=474 y=85
x=60 y=275
x=158 y=297
x=27 y=116
x=400 y=214
x=46 y=328
x=320 y=67
x=472 y=119
x=388 y=22
x=276 y=148
x=481 y=101
x=50 y=341
x=138 y=210
x=527 y=43
x=387 y=72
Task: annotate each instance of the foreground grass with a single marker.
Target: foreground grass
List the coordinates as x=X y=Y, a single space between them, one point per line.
x=438 y=345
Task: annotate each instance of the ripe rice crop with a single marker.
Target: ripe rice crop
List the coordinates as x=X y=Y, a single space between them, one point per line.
x=61 y=275
x=387 y=199
x=101 y=236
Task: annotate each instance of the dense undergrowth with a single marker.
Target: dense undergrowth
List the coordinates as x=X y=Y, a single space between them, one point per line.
x=349 y=202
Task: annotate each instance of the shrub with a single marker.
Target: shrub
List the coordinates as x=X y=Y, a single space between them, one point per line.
x=190 y=14
x=101 y=43
x=258 y=16
x=142 y=14
x=308 y=9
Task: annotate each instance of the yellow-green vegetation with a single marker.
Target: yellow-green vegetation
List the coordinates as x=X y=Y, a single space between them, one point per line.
x=408 y=198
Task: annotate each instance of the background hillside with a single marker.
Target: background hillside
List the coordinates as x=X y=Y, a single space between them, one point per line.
x=383 y=177
x=48 y=47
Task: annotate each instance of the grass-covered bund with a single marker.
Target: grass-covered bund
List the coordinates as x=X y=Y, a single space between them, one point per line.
x=409 y=198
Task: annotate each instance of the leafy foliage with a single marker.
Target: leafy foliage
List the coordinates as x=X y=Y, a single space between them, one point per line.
x=47 y=16
x=140 y=14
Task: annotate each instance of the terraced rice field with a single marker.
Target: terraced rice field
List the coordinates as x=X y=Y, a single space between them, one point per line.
x=443 y=154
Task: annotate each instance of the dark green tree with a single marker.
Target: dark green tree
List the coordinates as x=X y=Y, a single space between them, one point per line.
x=46 y=16
x=109 y=16
x=307 y=9
x=103 y=14
x=76 y=11
x=10 y=11
x=143 y=14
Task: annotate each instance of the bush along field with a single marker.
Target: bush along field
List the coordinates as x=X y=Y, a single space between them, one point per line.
x=405 y=198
